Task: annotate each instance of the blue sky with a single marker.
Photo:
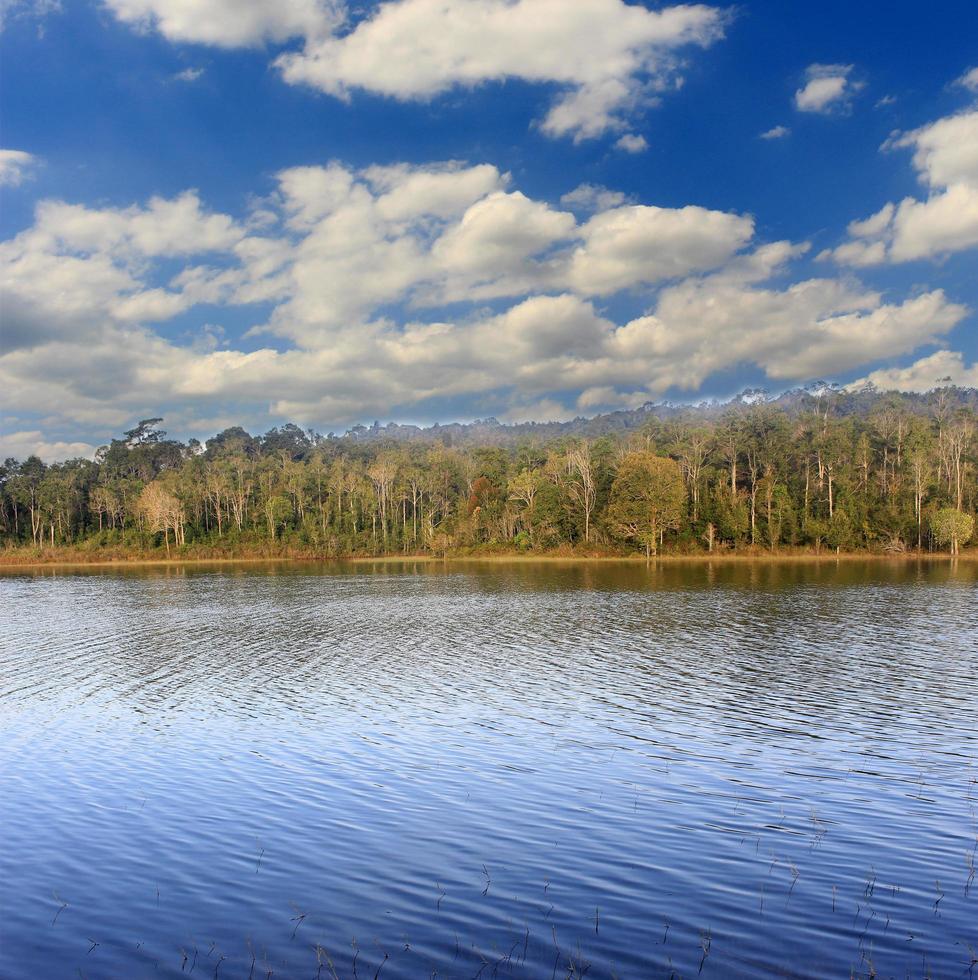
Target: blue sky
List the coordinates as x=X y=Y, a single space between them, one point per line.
x=335 y=212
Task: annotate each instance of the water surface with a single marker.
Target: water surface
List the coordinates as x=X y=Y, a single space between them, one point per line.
x=527 y=770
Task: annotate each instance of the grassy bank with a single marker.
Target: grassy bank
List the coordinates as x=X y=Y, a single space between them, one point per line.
x=81 y=556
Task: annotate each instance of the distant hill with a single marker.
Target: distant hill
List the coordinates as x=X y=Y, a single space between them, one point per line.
x=490 y=431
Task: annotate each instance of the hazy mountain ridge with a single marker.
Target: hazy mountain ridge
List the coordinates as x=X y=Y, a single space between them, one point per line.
x=796 y=401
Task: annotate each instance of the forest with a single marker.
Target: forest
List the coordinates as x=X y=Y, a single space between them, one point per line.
x=884 y=473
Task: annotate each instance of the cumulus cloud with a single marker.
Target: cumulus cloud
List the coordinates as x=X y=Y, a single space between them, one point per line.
x=33 y=442
x=188 y=75
x=945 y=156
x=811 y=328
x=15 y=166
x=857 y=254
x=380 y=280
x=608 y=58
x=497 y=235
x=632 y=143
x=947 y=222
x=935 y=370
x=776 y=133
x=444 y=191
x=77 y=270
x=230 y=23
x=827 y=88
x=342 y=244
x=629 y=246
x=592 y=197
x=873 y=226
x=945 y=152
x=448 y=234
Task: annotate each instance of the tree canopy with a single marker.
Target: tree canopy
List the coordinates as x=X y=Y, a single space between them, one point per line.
x=647 y=499
x=890 y=473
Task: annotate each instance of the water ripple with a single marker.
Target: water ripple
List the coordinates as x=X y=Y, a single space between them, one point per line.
x=462 y=771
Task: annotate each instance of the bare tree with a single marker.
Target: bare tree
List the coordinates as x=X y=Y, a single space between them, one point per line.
x=692 y=448
x=922 y=472
x=581 y=484
x=162 y=512
x=382 y=475
x=957 y=438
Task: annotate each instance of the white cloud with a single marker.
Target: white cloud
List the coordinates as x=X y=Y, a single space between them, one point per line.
x=923 y=375
x=14 y=166
x=229 y=23
x=873 y=226
x=77 y=270
x=448 y=234
x=945 y=155
x=946 y=151
x=776 y=133
x=609 y=58
x=356 y=265
x=188 y=75
x=969 y=80
x=827 y=88
x=441 y=192
x=164 y=228
x=33 y=442
x=311 y=193
x=592 y=197
x=540 y=346
x=858 y=254
x=632 y=143
x=607 y=397
x=498 y=234
x=628 y=246
x=810 y=329
x=947 y=222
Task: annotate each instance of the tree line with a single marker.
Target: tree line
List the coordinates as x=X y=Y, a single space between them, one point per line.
x=898 y=475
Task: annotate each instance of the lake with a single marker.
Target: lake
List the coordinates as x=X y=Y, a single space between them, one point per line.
x=490 y=770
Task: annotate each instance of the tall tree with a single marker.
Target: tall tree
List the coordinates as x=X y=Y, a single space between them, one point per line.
x=647 y=499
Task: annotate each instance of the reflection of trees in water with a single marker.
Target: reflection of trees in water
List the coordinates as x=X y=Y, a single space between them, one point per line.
x=718 y=643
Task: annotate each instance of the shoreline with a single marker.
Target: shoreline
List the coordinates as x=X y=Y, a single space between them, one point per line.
x=517 y=558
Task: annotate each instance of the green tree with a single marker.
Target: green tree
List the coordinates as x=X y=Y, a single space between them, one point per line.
x=952 y=527
x=842 y=469
x=647 y=499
